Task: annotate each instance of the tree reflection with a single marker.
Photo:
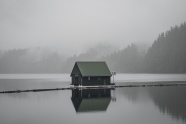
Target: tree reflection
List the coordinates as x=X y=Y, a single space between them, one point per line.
x=170 y=100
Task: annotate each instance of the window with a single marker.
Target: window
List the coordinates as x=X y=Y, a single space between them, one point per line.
x=88 y=78
x=99 y=78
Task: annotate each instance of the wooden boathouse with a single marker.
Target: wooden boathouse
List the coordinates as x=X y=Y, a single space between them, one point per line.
x=91 y=73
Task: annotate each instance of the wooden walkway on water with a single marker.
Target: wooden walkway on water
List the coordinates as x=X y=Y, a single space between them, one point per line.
x=71 y=87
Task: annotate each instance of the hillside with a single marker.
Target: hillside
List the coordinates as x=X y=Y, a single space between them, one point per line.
x=168 y=53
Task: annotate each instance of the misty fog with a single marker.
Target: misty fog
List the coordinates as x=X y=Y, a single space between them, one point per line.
x=78 y=25
x=43 y=36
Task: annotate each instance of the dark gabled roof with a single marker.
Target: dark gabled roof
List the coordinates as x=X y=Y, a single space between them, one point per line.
x=91 y=69
x=96 y=104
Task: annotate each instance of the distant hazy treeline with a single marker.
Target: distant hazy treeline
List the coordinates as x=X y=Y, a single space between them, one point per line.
x=166 y=55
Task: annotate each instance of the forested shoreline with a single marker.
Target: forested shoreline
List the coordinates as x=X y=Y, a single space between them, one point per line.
x=165 y=55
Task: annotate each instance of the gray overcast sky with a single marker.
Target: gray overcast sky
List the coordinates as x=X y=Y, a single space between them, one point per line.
x=61 y=24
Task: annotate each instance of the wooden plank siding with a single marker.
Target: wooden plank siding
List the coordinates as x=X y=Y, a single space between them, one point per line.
x=96 y=80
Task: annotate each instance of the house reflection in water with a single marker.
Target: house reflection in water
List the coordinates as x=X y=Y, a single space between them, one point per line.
x=91 y=100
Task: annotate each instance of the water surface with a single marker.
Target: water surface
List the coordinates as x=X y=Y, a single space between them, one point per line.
x=137 y=105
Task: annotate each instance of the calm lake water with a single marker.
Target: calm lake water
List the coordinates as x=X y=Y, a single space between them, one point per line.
x=135 y=105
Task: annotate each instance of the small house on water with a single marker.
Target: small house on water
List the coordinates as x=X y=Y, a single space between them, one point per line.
x=91 y=73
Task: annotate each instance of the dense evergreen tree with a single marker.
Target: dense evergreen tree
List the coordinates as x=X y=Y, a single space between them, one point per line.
x=168 y=53
x=128 y=60
x=23 y=61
